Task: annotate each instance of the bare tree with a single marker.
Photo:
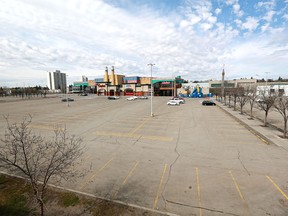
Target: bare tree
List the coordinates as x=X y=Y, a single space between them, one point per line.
x=242 y=98
x=252 y=98
x=234 y=93
x=267 y=101
x=281 y=105
x=38 y=160
x=229 y=99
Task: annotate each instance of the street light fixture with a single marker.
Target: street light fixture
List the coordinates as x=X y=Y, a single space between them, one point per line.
x=151 y=65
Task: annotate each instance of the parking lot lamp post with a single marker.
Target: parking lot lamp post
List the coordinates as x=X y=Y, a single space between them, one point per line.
x=222 y=85
x=67 y=90
x=151 y=66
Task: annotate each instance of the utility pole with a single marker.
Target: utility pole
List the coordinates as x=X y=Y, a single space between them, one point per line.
x=151 y=66
x=222 y=84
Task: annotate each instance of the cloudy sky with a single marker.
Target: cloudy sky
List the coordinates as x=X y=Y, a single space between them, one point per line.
x=192 y=38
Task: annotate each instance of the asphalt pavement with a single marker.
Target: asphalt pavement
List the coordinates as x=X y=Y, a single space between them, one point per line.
x=272 y=134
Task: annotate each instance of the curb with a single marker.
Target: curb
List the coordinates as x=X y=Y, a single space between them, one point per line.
x=259 y=135
x=98 y=197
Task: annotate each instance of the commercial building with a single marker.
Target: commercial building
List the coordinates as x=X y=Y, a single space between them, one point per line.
x=57 y=81
x=276 y=86
x=117 y=84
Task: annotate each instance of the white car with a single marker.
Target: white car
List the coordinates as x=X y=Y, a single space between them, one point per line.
x=132 y=98
x=178 y=99
x=173 y=102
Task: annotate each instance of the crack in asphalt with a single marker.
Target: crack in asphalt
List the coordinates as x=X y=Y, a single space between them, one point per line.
x=198 y=207
x=171 y=166
x=242 y=162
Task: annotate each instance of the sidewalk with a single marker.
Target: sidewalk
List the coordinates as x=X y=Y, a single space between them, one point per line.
x=269 y=135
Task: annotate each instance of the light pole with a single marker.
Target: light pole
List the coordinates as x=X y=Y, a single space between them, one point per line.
x=151 y=65
x=173 y=85
x=222 y=84
x=266 y=78
x=67 y=90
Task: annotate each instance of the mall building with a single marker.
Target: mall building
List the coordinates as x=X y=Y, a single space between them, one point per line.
x=120 y=85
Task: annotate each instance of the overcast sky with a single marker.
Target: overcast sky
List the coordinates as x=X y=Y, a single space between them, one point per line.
x=192 y=38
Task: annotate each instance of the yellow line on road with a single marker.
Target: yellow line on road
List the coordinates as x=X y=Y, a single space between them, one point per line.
x=127 y=177
x=277 y=187
x=199 y=192
x=236 y=185
x=96 y=174
x=136 y=136
x=45 y=127
x=159 y=187
x=140 y=126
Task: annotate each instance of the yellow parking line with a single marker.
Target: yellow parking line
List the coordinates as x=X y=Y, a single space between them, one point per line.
x=140 y=126
x=198 y=190
x=38 y=126
x=127 y=177
x=159 y=138
x=96 y=174
x=159 y=187
x=277 y=187
x=237 y=120
x=130 y=135
x=236 y=185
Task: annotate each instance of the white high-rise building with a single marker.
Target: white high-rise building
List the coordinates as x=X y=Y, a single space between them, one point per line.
x=57 y=81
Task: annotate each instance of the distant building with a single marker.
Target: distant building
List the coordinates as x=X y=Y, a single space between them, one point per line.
x=57 y=81
x=84 y=78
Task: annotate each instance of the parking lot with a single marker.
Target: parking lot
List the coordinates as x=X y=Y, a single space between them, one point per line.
x=186 y=160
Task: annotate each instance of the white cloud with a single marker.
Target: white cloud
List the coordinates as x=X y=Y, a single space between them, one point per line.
x=231 y=2
x=206 y=26
x=250 y=24
x=269 y=16
x=218 y=11
x=268 y=5
x=194 y=19
x=237 y=11
x=84 y=36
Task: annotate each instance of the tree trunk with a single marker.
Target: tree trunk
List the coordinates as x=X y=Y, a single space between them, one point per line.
x=241 y=109
x=42 y=209
x=41 y=205
x=285 y=128
x=251 y=108
x=265 y=119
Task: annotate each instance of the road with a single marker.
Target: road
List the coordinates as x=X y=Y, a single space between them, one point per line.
x=187 y=160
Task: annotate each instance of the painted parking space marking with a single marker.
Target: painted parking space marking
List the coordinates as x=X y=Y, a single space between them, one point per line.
x=159 y=187
x=96 y=174
x=237 y=186
x=277 y=187
x=126 y=178
x=242 y=124
x=136 y=136
x=44 y=127
x=140 y=126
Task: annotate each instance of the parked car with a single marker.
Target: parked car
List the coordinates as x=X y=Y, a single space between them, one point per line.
x=67 y=99
x=259 y=99
x=132 y=98
x=112 y=97
x=208 y=103
x=143 y=97
x=182 y=100
x=173 y=102
x=83 y=94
